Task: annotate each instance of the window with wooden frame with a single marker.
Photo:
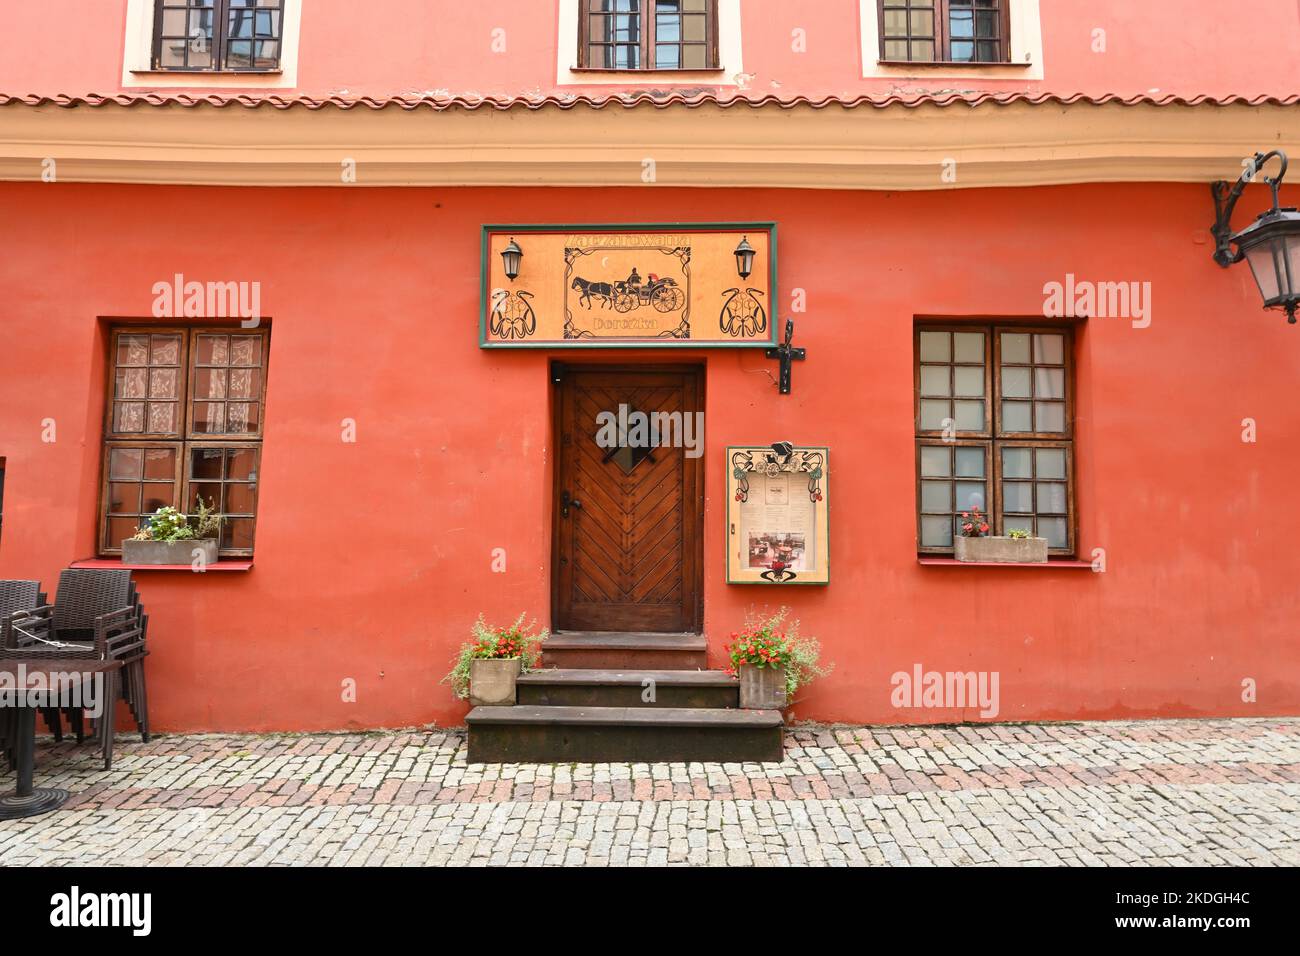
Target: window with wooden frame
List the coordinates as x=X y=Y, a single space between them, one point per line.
x=994 y=415
x=241 y=36
x=648 y=35
x=184 y=421
x=945 y=31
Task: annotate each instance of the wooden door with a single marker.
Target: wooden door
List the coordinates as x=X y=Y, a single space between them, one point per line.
x=628 y=527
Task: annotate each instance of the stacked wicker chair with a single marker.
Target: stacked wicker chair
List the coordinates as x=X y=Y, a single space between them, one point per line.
x=96 y=614
x=15 y=596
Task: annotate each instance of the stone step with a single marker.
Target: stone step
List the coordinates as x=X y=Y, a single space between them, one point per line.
x=625 y=650
x=588 y=687
x=527 y=734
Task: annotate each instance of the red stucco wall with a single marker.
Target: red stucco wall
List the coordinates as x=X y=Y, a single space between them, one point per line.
x=374 y=557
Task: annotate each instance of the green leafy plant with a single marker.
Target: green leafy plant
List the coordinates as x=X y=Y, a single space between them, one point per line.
x=774 y=641
x=1019 y=534
x=171 y=524
x=520 y=639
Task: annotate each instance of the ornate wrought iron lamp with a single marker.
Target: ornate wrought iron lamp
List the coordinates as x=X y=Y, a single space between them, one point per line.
x=744 y=258
x=1271 y=244
x=510 y=257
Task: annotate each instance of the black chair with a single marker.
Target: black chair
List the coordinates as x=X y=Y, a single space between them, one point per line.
x=85 y=595
x=117 y=635
x=16 y=596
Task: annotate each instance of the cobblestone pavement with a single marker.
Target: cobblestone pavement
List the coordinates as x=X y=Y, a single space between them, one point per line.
x=1159 y=792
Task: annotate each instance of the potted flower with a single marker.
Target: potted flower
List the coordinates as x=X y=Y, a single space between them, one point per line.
x=487 y=667
x=772 y=660
x=976 y=544
x=170 y=537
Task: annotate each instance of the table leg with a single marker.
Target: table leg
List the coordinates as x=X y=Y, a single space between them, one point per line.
x=26 y=800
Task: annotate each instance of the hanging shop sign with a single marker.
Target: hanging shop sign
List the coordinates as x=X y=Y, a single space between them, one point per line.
x=777 y=517
x=661 y=285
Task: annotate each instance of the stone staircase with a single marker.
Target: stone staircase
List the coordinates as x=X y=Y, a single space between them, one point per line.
x=624 y=697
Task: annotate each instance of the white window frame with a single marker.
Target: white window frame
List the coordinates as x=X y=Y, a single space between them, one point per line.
x=137 y=57
x=1026 y=50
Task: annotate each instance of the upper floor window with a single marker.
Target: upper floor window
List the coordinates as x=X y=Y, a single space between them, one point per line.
x=218 y=35
x=945 y=31
x=648 y=35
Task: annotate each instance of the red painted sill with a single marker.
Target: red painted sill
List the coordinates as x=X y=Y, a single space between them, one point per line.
x=1059 y=564
x=227 y=564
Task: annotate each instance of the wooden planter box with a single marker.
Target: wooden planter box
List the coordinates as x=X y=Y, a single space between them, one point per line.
x=168 y=552
x=762 y=688
x=492 y=682
x=1001 y=550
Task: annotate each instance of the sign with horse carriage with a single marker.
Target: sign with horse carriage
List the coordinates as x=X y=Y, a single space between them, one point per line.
x=678 y=284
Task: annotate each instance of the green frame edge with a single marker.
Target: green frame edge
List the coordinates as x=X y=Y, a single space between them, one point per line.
x=489 y=228
x=726 y=530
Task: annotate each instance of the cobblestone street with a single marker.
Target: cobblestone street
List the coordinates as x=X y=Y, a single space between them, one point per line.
x=1161 y=792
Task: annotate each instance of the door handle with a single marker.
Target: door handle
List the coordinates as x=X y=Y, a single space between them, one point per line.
x=567 y=501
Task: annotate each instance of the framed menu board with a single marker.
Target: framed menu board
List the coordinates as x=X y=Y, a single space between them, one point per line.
x=777 y=524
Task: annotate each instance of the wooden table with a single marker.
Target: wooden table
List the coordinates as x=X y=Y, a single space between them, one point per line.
x=54 y=676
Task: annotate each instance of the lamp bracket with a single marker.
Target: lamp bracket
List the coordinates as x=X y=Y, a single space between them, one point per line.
x=785 y=354
x=1225 y=200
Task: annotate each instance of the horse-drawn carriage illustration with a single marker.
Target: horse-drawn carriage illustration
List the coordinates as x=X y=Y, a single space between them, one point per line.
x=663 y=293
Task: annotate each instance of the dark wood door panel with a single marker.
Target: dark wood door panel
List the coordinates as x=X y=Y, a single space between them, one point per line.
x=628 y=554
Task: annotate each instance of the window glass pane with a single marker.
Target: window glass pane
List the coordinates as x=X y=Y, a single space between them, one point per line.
x=968 y=380
x=123 y=497
x=1012 y=523
x=125 y=462
x=936 y=347
x=897 y=50
x=970 y=416
x=206 y=463
x=1016 y=417
x=970 y=462
x=1015 y=348
x=667 y=57
x=1051 y=462
x=1054 y=530
x=933 y=414
x=970 y=494
x=1049 y=416
x=1049 y=349
x=936 y=531
x=1015 y=382
x=935 y=380
x=160 y=464
x=1016 y=463
x=936 y=496
x=935 y=462
x=1048 y=382
x=1051 y=497
x=922 y=50
x=969 y=347
x=1018 y=496
x=895 y=23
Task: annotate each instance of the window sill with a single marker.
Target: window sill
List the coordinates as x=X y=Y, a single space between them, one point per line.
x=110 y=564
x=959 y=64
x=647 y=72
x=207 y=72
x=1058 y=564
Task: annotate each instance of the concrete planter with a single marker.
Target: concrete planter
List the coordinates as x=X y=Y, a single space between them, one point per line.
x=168 y=552
x=762 y=688
x=1001 y=550
x=492 y=682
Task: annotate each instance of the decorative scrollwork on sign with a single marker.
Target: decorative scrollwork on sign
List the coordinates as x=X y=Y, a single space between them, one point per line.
x=778 y=573
x=761 y=461
x=512 y=315
x=742 y=314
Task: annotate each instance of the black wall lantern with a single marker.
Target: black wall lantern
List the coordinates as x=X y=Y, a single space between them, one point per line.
x=744 y=257
x=510 y=257
x=1271 y=244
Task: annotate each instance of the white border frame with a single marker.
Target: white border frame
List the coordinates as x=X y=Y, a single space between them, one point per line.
x=1026 y=50
x=729 y=57
x=138 y=52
